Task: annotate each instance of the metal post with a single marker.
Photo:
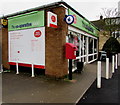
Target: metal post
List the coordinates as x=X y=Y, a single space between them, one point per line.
x=33 y=71
x=99 y=74
x=17 y=70
x=80 y=43
x=87 y=49
x=70 y=69
x=118 y=59
x=116 y=65
x=83 y=48
x=107 y=68
x=93 y=49
x=113 y=64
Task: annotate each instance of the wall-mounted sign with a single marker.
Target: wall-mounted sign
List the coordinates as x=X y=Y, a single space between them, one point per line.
x=52 y=20
x=27 y=46
x=4 y=22
x=87 y=27
x=69 y=19
x=75 y=19
x=37 y=33
x=26 y=21
x=83 y=24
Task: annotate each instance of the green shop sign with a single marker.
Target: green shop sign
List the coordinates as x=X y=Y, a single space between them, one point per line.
x=25 y=21
x=83 y=24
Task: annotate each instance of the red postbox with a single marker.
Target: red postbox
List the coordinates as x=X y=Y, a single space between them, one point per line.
x=71 y=51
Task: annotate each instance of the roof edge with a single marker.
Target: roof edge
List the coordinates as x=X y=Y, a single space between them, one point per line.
x=47 y=6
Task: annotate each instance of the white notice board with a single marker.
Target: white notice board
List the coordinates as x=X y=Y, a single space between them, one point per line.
x=27 y=46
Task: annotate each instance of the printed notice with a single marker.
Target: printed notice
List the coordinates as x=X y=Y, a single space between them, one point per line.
x=27 y=46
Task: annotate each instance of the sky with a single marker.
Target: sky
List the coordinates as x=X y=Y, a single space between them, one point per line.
x=90 y=9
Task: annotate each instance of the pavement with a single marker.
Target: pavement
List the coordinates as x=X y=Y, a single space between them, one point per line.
x=0 y=88
x=23 y=88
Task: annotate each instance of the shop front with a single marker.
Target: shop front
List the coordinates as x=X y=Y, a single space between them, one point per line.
x=37 y=38
x=85 y=36
x=87 y=46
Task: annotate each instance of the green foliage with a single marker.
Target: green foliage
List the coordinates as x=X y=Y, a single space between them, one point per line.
x=112 y=45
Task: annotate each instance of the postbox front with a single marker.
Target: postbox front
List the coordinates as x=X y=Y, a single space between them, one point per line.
x=71 y=51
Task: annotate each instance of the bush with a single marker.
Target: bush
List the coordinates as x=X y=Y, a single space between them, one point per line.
x=111 y=45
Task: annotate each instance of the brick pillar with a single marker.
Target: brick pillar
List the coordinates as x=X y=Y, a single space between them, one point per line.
x=0 y=47
x=5 y=48
x=55 y=39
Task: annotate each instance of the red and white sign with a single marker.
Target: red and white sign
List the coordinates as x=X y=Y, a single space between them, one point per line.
x=37 y=33
x=52 y=20
x=75 y=19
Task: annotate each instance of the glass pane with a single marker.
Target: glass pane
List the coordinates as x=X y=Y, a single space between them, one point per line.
x=95 y=56
x=95 y=45
x=74 y=63
x=74 y=40
x=90 y=42
x=85 y=42
x=76 y=43
x=90 y=58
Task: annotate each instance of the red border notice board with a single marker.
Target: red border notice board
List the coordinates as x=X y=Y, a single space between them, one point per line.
x=27 y=47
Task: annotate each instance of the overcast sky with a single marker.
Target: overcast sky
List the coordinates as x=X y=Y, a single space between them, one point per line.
x=91 y=9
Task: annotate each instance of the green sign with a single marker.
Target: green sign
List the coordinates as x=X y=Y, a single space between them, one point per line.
x=83 y=24
x=25 y=21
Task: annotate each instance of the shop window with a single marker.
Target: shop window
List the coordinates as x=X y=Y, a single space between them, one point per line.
x=74 y=64
x=90 y=58
x=95 y=56
x=75 y=40
x=90 y=42
x=95 y=45
x=71 y=38
x=76 y=43
x=85 y=44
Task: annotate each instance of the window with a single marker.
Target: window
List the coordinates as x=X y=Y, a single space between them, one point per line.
x=87 y=47
x=90 y=43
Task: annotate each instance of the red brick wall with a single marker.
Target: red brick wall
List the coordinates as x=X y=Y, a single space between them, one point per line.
x=0 y=46
x=55 y=39
x=5 y=48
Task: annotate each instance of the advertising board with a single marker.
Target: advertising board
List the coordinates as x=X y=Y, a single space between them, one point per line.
x=27 y=46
